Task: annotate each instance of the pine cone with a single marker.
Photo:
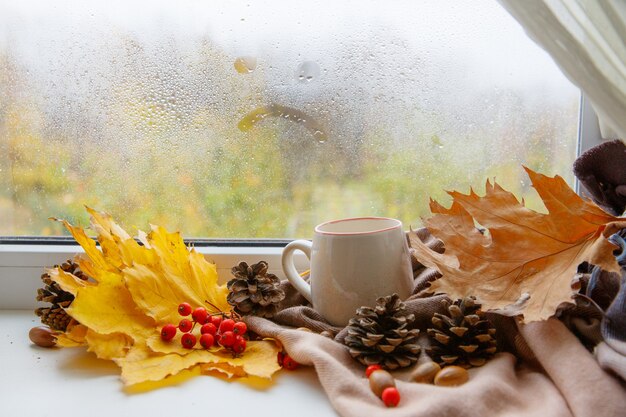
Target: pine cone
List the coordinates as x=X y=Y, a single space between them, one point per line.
x=253 y=291
x=55 y=315
x=381 y=335
x=464 y=337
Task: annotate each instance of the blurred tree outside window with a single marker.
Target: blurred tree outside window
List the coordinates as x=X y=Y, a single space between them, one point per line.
x=231 y=119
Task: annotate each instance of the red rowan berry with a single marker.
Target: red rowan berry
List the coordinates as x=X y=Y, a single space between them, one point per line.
x=168 y=332
x=216 y=320
x=200 y=315
x=185 y=325
x=240 y=328
x=188 y=340
x=371 y=369
x=227 y=325
x=390 y=396
x=240 y=345
x=184 y=309
x=227 y=339
x=208 y=328
x=207 y=340
x=289 y=363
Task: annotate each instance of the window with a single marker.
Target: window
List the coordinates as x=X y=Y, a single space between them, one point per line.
x=261 y=119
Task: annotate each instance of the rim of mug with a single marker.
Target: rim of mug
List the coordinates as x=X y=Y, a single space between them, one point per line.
x=367 y=232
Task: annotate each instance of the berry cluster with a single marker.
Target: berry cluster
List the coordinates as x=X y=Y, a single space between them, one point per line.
x=216 y=330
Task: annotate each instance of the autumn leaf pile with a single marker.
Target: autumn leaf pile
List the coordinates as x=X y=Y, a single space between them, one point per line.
x=135 y=290
x=502 y=252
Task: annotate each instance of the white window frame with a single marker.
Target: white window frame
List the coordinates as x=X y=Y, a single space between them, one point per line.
x=22 y=264
x=588 y=130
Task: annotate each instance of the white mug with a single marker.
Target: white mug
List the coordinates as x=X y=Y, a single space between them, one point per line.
x=353 y=262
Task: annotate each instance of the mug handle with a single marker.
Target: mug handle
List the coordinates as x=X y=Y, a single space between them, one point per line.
x=290 y=270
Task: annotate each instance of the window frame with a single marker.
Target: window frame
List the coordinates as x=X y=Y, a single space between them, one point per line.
x=589 y=134
x=22 y=264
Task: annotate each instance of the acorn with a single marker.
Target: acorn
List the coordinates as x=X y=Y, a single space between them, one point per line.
x=43 y=336
x=425 y=372
x=379 y=380
x=451 y=376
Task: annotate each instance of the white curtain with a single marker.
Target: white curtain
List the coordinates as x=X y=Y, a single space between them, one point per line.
x=587 y=39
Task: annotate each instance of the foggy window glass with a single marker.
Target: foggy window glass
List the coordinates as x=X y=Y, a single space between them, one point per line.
x=261 y=119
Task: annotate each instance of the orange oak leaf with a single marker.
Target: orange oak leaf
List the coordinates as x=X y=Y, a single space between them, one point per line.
x=521 y=251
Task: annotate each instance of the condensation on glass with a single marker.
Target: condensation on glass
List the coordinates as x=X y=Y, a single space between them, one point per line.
x=231 y=119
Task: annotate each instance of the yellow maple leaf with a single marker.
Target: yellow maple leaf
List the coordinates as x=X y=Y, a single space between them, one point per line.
x=522 y=251
x=68 y=282
x=142 y=364
x=74 y=336
x=108 y=346
x=109 y=308
x=156 y=367
x=136 y=289
x=179 y=275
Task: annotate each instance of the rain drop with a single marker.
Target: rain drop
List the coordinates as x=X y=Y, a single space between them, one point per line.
x=320 y=136
x=307 y=71
x=245 y=64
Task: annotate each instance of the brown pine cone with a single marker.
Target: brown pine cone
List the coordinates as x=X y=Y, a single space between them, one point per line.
x=253 y=291
x=463 y=337
x=55 y=315
x=382 y=335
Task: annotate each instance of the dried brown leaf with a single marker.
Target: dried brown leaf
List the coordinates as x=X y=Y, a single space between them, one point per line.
x=522 y=251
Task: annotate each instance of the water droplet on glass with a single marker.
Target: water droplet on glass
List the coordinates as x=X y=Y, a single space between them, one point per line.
x=289 y=113
x=436 y=140
x=245 y=64
x=320 y=136
x=308 y=71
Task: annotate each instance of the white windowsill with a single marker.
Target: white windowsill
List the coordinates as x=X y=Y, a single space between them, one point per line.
x=70 y=382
